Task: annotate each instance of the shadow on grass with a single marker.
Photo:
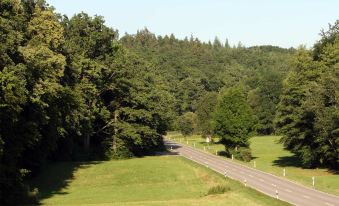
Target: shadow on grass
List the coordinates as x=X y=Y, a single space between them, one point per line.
x=55 y=177
x=294 y=161
x=288 y=161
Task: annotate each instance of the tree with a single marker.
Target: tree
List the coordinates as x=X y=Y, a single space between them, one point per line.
x=293 y=118
x=205 y=108
x=264 y=98
x=233 y=120
x=187 y=123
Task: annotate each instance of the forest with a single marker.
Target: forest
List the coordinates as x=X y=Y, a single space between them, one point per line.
x=72 y=89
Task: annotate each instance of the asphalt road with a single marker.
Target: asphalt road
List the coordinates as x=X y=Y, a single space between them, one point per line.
x=266 y=183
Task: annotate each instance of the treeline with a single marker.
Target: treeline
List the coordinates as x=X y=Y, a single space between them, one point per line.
x=70 y=91
x=193 y=69
x=290 y=92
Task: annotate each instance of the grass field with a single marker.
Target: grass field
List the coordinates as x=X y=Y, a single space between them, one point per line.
x=269 y=156
x=160 y=180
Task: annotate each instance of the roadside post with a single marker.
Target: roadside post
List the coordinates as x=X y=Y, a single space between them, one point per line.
x=254 y=164
x=232 y=157
x=284 y=172
x=245 y=183
x=276 y=193
x=313 y=181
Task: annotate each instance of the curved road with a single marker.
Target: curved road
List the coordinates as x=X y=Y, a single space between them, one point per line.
x=261 y=181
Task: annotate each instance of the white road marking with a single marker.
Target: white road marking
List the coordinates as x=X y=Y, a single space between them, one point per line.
x=305 y=196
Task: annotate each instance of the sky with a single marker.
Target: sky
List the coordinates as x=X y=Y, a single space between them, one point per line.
x=284 y=23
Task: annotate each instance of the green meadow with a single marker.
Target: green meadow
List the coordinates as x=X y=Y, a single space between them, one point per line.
x=158 y=180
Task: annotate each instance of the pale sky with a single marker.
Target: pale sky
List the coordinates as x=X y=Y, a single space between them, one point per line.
x=285 y=23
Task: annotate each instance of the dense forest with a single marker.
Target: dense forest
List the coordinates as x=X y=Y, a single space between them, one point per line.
x=71 y=89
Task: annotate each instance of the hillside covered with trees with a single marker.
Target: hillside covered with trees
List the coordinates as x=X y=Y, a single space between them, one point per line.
x=71 y=89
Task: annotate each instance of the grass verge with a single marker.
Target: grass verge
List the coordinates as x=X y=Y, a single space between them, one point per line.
x=160 y=180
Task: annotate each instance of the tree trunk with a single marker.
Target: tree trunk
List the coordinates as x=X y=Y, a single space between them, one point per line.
x=114 y=145
x=86 y=142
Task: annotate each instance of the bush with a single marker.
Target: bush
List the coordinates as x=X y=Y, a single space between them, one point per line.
x=219 y=189
x=243 y=154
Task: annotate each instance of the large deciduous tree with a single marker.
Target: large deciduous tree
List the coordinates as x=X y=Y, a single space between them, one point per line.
x=233 y=119
x=308 y=110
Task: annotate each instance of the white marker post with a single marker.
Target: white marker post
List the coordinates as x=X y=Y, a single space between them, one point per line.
x=276 y=193
x=216 y=152
x=284 y=172
x=313 y=181
x=232 y=157
x=245 y=183
x=171 y=148
x=225 y=173
x=254 y=164
x=186 y=141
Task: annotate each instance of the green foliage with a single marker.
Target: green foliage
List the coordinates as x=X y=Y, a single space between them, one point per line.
x=219 y=189
x=307 y=113
x=69 y=91
x=205 y=108
x=187 y=123
x=242 y=153
x=233 y=120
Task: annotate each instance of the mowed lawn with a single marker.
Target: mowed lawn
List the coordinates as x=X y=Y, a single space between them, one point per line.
x=160 y=180
x=269 y=156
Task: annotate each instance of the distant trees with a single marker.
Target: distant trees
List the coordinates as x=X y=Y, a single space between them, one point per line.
x=205 y=109
x=187 y=123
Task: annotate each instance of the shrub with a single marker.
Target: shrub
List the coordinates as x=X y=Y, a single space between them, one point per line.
x=243 y=153
x=219 y=189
